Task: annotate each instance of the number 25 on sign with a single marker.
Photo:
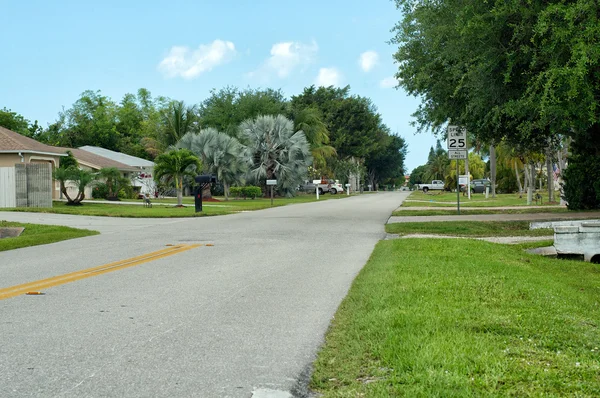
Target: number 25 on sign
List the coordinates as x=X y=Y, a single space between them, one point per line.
x=457 y=137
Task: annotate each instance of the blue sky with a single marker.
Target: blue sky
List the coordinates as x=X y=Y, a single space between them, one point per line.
x=54 y=50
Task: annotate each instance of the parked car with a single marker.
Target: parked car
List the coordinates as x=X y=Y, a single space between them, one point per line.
x=435 y=185
x=478 y=186
x=331 y=186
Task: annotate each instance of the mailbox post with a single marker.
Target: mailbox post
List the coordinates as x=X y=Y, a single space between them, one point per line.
x=348 y=189
x=317 y=182
x=202 y=181
x=271 y=183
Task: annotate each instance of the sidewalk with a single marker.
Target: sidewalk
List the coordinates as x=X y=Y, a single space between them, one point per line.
x=452 y=206
x=498 y=217
x=141 y=203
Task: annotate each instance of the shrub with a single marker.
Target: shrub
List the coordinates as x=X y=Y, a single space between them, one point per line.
x=582 y=182
x=251 y=192
x=100 y=191
x=236 y=192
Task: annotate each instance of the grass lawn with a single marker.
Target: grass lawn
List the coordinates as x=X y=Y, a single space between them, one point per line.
x=434 y=318
x=472 y=228
x=35 y=234
x=163 y=211
x=448 y=199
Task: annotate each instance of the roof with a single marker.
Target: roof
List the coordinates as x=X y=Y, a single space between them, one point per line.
x=118 y=156
x=11 y=142
x=98 y=162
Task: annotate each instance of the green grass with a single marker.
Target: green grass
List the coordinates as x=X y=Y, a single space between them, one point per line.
x=472 y=228
x=35 y=234
x=434 y=318
x=448 y=199
x=164 y=211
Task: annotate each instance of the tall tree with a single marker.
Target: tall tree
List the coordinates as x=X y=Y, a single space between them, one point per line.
x=173 y=166
x=179 y=119
x=227 y=108
x=220 y=154
x=278 y=152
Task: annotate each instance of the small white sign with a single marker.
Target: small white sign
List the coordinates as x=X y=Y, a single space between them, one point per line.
x=271 y=182
x=457 y=138
x=454 y=154
x=316 y=181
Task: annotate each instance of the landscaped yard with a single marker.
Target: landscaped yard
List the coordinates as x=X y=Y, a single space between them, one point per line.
x=35 y=234
x=439 y=318
x=162 y=211
x=466 y=228
x=448 y=199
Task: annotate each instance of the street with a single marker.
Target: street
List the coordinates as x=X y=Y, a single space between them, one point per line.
x=244 y=306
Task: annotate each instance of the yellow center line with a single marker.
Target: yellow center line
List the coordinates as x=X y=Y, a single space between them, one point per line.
x=86 y=273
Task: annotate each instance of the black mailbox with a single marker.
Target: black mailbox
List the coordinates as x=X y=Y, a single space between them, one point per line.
x=202 y=180
x=206 y=179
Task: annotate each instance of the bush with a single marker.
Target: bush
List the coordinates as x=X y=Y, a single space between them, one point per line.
x=217 y=189
x=251 y=191
x=245 y=192
x=100 y=191
x=236 y=192
x=582 y=182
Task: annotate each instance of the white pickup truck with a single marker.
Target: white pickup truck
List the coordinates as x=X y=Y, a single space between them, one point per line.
x=435 y=185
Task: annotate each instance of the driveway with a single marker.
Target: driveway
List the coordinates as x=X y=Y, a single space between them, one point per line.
x=246 y=310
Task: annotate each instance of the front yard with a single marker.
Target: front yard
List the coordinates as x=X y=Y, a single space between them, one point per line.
x=458 y=318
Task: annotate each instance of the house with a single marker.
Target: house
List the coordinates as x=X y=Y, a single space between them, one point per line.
x=94 y=163
x=142 y=180
x=26 y=171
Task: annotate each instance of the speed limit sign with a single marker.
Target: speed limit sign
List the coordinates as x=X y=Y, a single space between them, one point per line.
x=457 y=138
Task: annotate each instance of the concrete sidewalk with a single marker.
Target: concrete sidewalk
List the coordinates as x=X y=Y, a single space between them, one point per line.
x=469 y=208
x=498 y=217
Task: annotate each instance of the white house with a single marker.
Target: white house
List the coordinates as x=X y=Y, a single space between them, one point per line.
x=142 y=179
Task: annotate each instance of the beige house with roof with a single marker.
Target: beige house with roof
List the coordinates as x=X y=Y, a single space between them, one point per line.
x=17 y=149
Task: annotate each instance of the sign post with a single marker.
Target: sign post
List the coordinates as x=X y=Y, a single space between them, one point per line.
x=457 y=149
x=317 y=182
x=271 y=183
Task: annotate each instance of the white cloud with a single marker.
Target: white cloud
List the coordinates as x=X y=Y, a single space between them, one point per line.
x=186 y=63
x=285 y=58
x=368 y=60
x=328 y=77
x=388 y=82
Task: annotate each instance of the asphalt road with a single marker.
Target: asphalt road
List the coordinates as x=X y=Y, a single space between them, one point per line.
x=248 y=313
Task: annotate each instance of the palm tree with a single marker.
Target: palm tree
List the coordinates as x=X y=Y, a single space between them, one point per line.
x=179 y=120
x=174 y=166
x=81 y=178
x=309 y=121
x=114 y=181
x=221 y=155
x=277 y=151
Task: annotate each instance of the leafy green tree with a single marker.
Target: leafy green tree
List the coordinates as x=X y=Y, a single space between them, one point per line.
x=277 y=151
x=227 y=108
x=388 y=162
x=353 y=123
x=17 y=123
x=220 y=154
x=173 y=166
x=418 y=175
x=309 y=120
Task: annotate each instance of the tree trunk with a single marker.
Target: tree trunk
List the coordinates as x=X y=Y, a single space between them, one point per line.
x=550 y=172
x=493 y=169
x=518 y=179
x=226 y=190
x=531 y=185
